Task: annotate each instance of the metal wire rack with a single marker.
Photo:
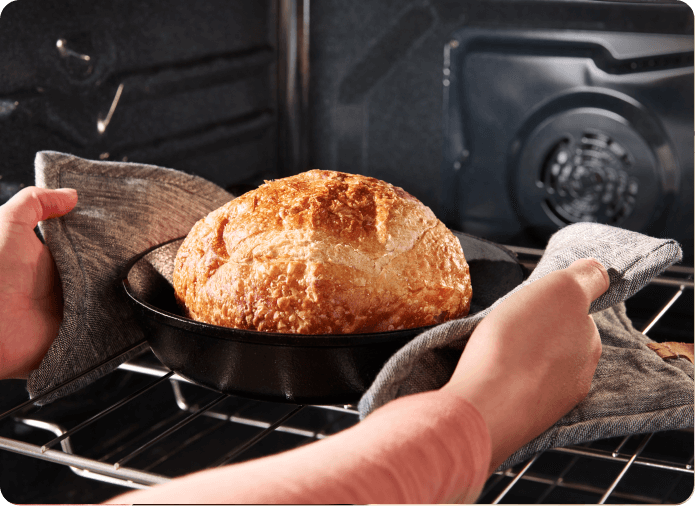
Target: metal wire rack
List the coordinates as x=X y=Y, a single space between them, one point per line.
x=143 y=425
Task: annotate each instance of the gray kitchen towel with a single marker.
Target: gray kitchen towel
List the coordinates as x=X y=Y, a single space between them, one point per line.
x=632 y=259
x=124 y=208
x=633 y=390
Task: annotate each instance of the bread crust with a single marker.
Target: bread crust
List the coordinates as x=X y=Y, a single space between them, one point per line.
x=322 y=252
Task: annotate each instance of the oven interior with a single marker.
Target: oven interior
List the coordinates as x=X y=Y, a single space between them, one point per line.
x=242 y=91
x=142 y=425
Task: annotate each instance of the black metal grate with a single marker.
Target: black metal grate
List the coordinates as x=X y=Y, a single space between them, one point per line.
x=142 y=425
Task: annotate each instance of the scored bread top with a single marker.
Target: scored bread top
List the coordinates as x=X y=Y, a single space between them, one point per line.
x=322 y=252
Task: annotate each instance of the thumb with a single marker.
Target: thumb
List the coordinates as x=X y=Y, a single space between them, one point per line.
x=31 y=205
x=591 y=275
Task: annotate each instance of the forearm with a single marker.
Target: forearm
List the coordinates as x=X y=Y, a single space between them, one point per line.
x=427 y=448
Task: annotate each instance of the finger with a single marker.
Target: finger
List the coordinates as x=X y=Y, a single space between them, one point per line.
x=56 y=203
x=31 y=205
x=591 y=275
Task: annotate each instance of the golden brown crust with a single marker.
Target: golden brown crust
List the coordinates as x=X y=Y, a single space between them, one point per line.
x=322 y=252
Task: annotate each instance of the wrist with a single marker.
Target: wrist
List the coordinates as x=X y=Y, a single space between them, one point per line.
x=507 y=409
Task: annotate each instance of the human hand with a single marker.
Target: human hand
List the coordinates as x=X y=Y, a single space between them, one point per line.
x=532 y=359
x=31 y=299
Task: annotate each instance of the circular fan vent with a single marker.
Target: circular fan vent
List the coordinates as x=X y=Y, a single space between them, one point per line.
x=588 y=180
x=589 y=164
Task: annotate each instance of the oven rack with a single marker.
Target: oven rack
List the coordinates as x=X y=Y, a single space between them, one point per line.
x=149 y=454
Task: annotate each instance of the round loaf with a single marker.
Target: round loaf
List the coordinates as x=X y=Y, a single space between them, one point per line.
x=322 y=252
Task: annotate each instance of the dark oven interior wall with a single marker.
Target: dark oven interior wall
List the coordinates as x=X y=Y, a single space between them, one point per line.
x=200 y=89
x=198 y=80
x=376 y=74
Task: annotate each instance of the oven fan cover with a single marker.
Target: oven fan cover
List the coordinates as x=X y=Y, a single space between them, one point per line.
x=545 y=127
x=589 y=164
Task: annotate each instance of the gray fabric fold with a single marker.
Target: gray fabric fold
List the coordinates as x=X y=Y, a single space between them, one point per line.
x=633 y=390
x=632 y=260
x=124 y=208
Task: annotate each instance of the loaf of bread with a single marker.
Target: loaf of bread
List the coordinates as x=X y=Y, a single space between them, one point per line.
x=322 y=253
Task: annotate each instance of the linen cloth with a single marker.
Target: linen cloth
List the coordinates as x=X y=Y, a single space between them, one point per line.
x=124 y=208
x=633 y=390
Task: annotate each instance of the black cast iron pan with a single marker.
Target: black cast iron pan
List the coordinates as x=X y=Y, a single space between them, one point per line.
x=302 y=369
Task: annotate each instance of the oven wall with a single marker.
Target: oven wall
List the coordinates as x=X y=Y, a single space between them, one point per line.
x=377 y=82
x=197 y=81
x=196 y=87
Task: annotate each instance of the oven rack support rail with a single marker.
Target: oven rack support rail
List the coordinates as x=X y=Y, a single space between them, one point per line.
x=119 y=473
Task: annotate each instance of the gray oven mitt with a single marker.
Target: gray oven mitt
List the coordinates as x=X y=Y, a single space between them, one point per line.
x=122 y=209
x=633 y=390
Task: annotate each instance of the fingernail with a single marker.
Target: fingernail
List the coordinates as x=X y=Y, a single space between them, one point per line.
x=598 y=265
x=67 y=191
x=602 y=269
